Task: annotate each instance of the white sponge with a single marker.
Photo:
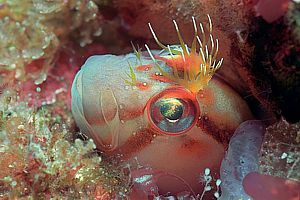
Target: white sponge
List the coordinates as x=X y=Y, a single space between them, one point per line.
x=241 y=159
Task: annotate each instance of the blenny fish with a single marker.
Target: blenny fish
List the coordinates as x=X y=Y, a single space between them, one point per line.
x=166 y=109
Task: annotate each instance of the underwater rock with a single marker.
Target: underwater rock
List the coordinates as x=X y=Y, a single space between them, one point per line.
x=36 y=152
x=280 y=152
x=31 y=30
x=58 y=81
x=270 y=69
x=227 y=15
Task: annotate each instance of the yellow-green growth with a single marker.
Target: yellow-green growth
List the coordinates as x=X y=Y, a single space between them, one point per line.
x=131 y=77
x=137 y=52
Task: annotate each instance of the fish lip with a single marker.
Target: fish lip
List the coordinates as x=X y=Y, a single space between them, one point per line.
x=77 y=106
x=76 y=95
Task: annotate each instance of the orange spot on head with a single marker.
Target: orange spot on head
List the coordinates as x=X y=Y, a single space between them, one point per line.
x=160 y=78
x=142 y=68
x=143 y=85
x=190 y=63
x=206 y=96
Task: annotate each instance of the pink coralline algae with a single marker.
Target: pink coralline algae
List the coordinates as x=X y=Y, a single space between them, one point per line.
x=60 y=77
x=262 y=187
x=271 y=10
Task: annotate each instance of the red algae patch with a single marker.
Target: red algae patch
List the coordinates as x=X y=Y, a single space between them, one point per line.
x=262 y=187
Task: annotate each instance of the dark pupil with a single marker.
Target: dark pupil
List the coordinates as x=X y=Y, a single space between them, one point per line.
x=171 y=108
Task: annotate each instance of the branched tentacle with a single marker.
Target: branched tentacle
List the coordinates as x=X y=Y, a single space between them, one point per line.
x=191 y=68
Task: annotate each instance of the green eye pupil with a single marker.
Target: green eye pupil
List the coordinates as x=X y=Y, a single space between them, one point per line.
x=171 y=108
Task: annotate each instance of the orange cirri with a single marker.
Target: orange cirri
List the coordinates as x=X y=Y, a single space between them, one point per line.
x=192 y=68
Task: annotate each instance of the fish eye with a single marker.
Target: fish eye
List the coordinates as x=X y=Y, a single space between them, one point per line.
x=174 y=111
x=171 y=108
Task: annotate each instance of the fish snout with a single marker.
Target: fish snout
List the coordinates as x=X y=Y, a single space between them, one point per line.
x=105 y=106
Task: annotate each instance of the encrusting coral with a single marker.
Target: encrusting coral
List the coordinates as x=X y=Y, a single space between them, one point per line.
x=31 y=30
x=40 y=160
x=280 y=152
